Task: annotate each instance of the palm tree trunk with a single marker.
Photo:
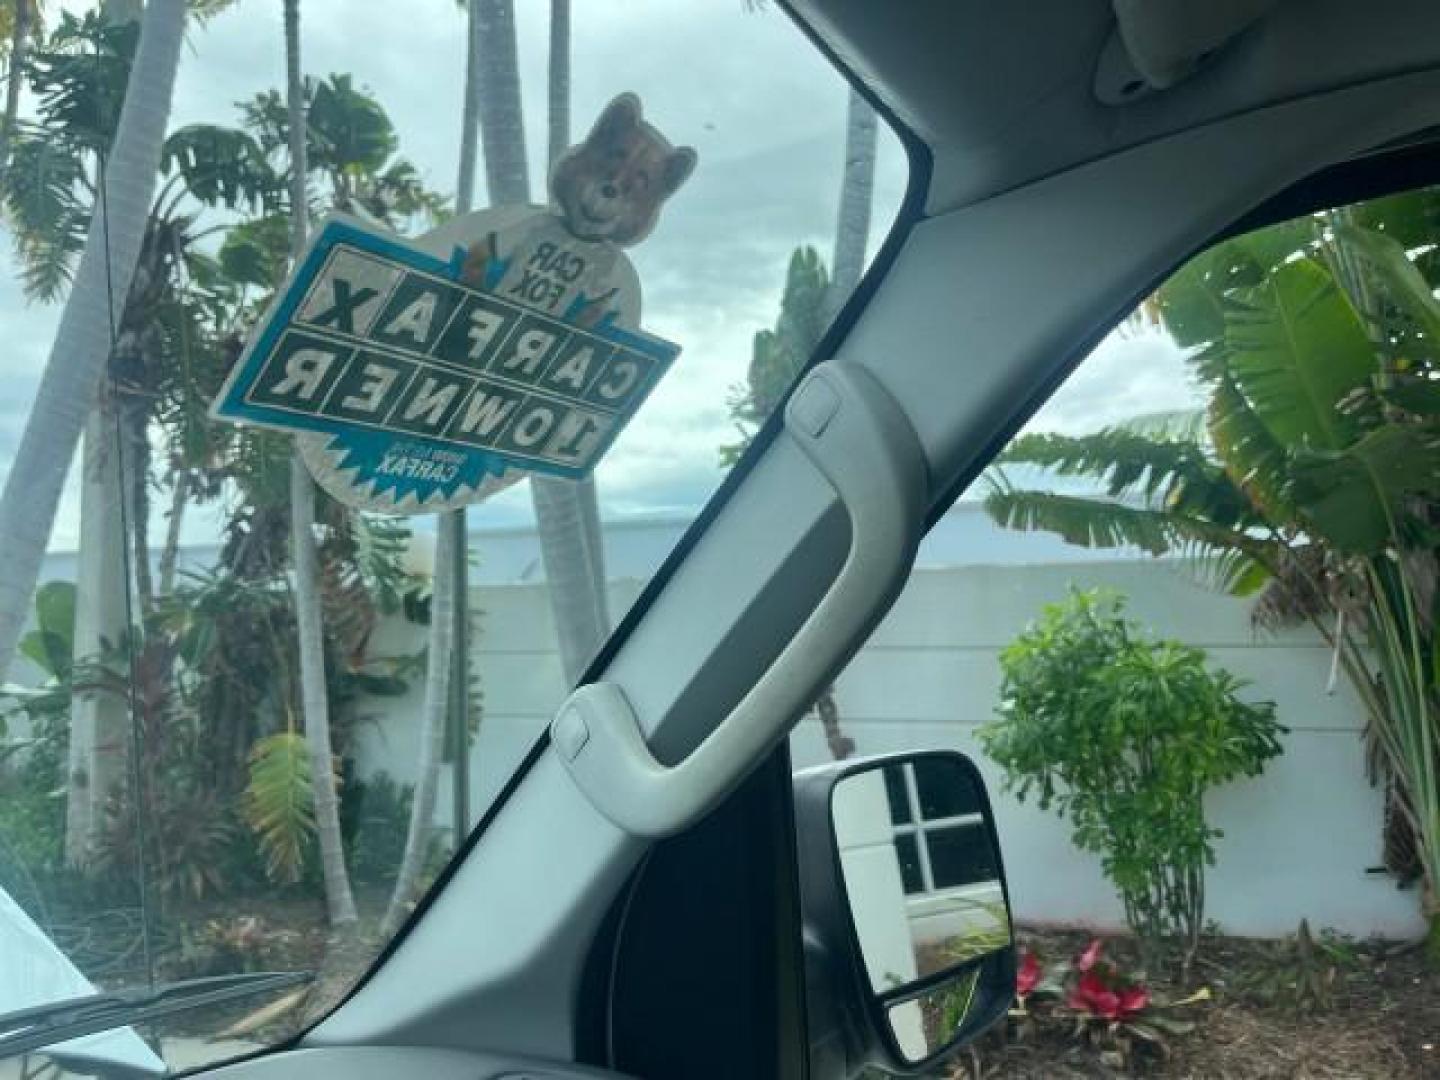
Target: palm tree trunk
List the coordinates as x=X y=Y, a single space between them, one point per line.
x=314 y=698
x=98 y=715
x=432 y=740
x=841 y=746
x=439 y=663
x=19 y=39
x=66 y=394
x=576 y=594
x=502 y=121
x=585 y=494
x=137 y=465
x=170 y=553
x=558 y=90
x=857 y=190
x=847 y=263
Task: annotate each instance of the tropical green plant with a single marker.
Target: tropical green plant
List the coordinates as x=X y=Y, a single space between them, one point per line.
x=1300 y=972
x=34 y=736
x=1125 y=735
x=1317 y=475
x=280 y=802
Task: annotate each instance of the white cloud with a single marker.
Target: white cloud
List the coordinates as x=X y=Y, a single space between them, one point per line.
x=1130 y=374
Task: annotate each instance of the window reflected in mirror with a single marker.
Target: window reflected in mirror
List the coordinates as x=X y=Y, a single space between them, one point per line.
x=920 y=868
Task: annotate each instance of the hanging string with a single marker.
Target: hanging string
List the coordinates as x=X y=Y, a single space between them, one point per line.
x=132 y=697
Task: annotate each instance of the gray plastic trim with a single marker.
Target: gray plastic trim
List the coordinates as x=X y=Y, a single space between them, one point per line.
x=852 y=430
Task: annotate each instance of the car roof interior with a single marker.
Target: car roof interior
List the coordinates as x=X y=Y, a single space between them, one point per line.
x=1004 y=94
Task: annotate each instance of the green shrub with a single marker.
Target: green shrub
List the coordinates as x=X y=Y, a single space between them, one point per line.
x=1124 y=734
x=375 y=819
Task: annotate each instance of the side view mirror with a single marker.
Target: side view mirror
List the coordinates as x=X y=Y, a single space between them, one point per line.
x=907 y=917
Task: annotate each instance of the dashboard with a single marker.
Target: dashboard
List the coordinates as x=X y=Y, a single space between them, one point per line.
x=389 y=1062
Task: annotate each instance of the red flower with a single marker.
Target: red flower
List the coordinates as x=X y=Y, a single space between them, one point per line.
x=1028 y=977
x=1090 y=956
x=1092 y=996
x=1133 y=999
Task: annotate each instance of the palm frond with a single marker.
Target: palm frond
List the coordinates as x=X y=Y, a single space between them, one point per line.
x=46 y=213
x=1174 y=474
x=1233 y=558
x=224 y=166
x=279 y=803
x=1169 y=425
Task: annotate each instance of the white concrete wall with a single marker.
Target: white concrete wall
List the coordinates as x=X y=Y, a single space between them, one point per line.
x=1298 y=841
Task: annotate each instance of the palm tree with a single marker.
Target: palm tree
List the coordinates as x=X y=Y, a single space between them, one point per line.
x=22 y=22
x=1317 y=474
x=98 y=712
x=577 y=591
x=79 y=75
x=83 y=339
x=447 y=581
x=857 y=193
x=585 y=491
x=308 y=617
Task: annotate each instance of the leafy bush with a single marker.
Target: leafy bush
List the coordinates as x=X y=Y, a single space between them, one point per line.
x=375 y=819
x=1124 y=735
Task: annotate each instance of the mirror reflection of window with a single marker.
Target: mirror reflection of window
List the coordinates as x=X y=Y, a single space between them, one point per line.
x=919 y=866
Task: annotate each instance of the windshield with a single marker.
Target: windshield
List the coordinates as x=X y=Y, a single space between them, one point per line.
x=261 y=671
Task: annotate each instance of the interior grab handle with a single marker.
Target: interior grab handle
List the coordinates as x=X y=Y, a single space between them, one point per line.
x=853 y=431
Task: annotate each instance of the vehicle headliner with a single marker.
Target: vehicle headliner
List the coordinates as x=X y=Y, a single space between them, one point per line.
x=1022 y=105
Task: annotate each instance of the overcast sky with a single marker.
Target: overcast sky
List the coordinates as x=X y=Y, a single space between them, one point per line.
x=766 y=115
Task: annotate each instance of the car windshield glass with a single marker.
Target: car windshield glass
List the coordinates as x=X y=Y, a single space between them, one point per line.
x=261 y=673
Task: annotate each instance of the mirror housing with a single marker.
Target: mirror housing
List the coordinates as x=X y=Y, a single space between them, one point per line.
x=908 y=956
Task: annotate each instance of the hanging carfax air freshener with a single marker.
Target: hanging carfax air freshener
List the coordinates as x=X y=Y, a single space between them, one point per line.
x=425 y=376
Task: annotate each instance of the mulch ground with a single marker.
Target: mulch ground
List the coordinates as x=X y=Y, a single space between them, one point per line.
x=1353 y=1010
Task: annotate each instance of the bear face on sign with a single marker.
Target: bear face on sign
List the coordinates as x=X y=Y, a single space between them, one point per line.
x=611 y=186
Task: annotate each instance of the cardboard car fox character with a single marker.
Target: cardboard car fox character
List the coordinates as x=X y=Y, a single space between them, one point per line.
x=422 y=377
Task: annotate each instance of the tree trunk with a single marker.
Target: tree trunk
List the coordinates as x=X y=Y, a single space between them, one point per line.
x=439 y=660
x=502 y=121
x=82 y=342
x=19 y=40
x=558 y=90
x=857 y=191
x=314 y=699
x=432 y=739
x=577 y=592
x=596 y=627
x=841 y=745
x=98 y=714
x=137 y=468
x=847 y=263
x=170 y=553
